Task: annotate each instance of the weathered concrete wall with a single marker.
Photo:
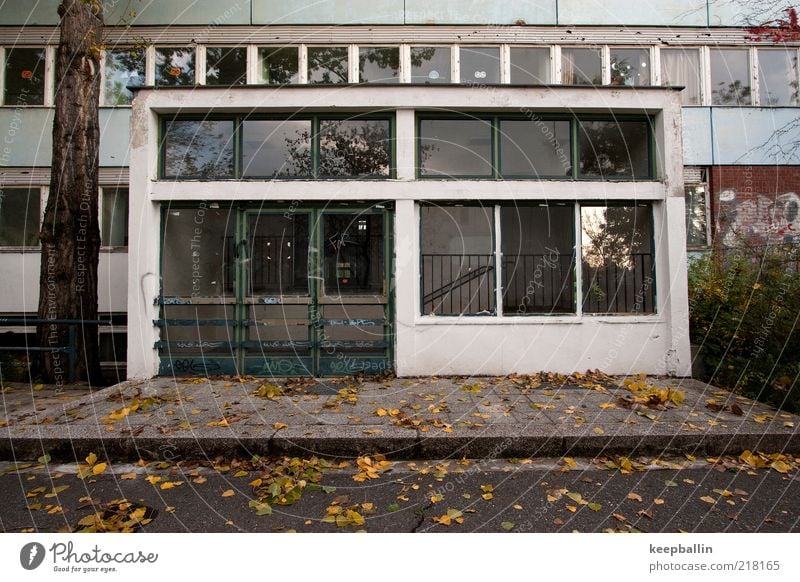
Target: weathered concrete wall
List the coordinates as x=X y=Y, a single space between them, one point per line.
x=756 y=204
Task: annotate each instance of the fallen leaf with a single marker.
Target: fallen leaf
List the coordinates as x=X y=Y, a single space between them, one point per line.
x=99 y=468
x=128 y=476
x=228 y=493
x=280 y=426
x=708 y=499
x=507 y=525
x=634 y=497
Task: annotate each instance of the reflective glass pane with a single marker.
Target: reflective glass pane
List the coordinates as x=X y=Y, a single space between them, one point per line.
x=123 y=68
x=537 y=244
x=273 y=148
x=457 y=260
x=582 y=66
x=378 y=65
x=617 y=255
x=278 y=254
x=730 y=77
x=114 y=222
x=198 y=249
x=630 y=67
x=354 y=147
x=226 y=65
x=681 y=68
x=174 y=66
x=327 y=64
x=696 y=216
x=19 y=217
x=777 y=77
x=530 y=66
x=614 y=149
x=353 y=256
x=430 y=65
x=279 y=66
x=24 y=76
x=455 y=147
x=198 y=149
x=480 y=65
x=535 y=148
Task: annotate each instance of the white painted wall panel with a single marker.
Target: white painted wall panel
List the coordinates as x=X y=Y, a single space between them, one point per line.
x=753 y=135
x=697 y=136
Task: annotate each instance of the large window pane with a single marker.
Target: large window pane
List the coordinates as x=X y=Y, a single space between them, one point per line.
x=275 y=148
x=630 y=67
x=356 y=147
x=278 y=255
x=617 y=255
x=610 y=149
x=480 y=65
x=123 y=68
x=455 y=147
x=198 y=149
x=353 y=255
x=226 y=65
x=681 y=68
x=777 y=76
x=730 y=77
x=19 y=217
x=327 y=64
x=535 y=148
x=530 y=66
x=279 y=66
x=174 y=66
x=457 y=260
x=24 y=76
x=537 y=244
x=114 y=222
x=581 y=66
x=696 y=216
x=430 y=65
x=379 y=64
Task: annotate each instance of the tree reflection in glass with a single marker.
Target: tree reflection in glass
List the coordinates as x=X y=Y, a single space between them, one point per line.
x=327 y=64
x=198 y=149
x=356 y=147
x=276 y=148
x=123 y=68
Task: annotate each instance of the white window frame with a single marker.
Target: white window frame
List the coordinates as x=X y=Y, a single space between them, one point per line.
x=650 y=59
x=349 y=47
x=356 y=72
x=100 y=203
x=550 y=60
x=501 y=64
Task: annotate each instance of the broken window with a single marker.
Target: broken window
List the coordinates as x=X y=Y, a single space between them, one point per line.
x=457 y=260
x=19 y=217
x=630 y=67
x=777 y=77
x=379 y=64
x=327 y=64
x=581 y=66
x=276 y=148
x=530 y=66
x=480 y=65
x=455 y=147
x=535 y=148
x=123 y=68
x=617 y=259
x=681 y=68
x=614 y=149
x=175 y=66
x=198 y=149
x=114 y=222
x=226 y=65
x=279 y=65
x=354 y=147
x=24 y=76
x=430 y=65
x=537 y=250
x=730 y=77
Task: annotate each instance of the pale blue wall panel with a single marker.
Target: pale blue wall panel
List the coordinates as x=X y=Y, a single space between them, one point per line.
x=697 y=136
x=328 y=12
x=751 y=135
x=743 y=12
x=29 y=12
x=115 y=136
x=625 y=12
x=480 y=12
x=150 y=12
x=26 y=136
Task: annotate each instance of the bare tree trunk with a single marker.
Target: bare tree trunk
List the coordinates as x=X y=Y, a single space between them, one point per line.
x=70 y=233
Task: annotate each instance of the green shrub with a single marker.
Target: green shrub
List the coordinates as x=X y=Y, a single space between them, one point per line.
x=744 y=314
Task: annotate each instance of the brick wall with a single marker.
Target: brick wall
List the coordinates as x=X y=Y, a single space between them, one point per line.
x=756 y=204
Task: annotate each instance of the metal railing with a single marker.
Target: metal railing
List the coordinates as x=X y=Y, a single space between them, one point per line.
x=620 y=288
x=538 y=283
x=457 y=284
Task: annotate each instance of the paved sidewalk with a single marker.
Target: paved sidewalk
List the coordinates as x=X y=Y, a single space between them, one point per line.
x=517 y=416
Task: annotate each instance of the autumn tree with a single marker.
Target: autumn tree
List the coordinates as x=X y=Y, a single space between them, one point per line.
x=70 y=234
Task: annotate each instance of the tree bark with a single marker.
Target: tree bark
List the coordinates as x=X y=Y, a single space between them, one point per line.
x=70 y=234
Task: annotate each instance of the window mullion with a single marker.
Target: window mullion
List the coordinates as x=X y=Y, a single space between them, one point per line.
x=498 y=263
x=578 y=262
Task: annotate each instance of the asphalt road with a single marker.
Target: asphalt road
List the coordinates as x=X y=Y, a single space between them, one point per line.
x=535 y=497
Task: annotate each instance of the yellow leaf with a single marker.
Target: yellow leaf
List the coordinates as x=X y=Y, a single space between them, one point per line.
x=256 y=482
x=436 y=498
x=381 y=412
x=487 y=488
x=598 y=430
x=199 y=480
x=280 y=426
x=152 y=479
x=91 y=459
x=780 y=466
x=128 y=476
x=658 y=501
x=634 y=497
x=708 y=499
x=487 y=496
x=570 y=463
x=607 y=405
x=241 y=474
x=99 y=468
x=223 y=423
x=228 y=493
x=572 y=508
